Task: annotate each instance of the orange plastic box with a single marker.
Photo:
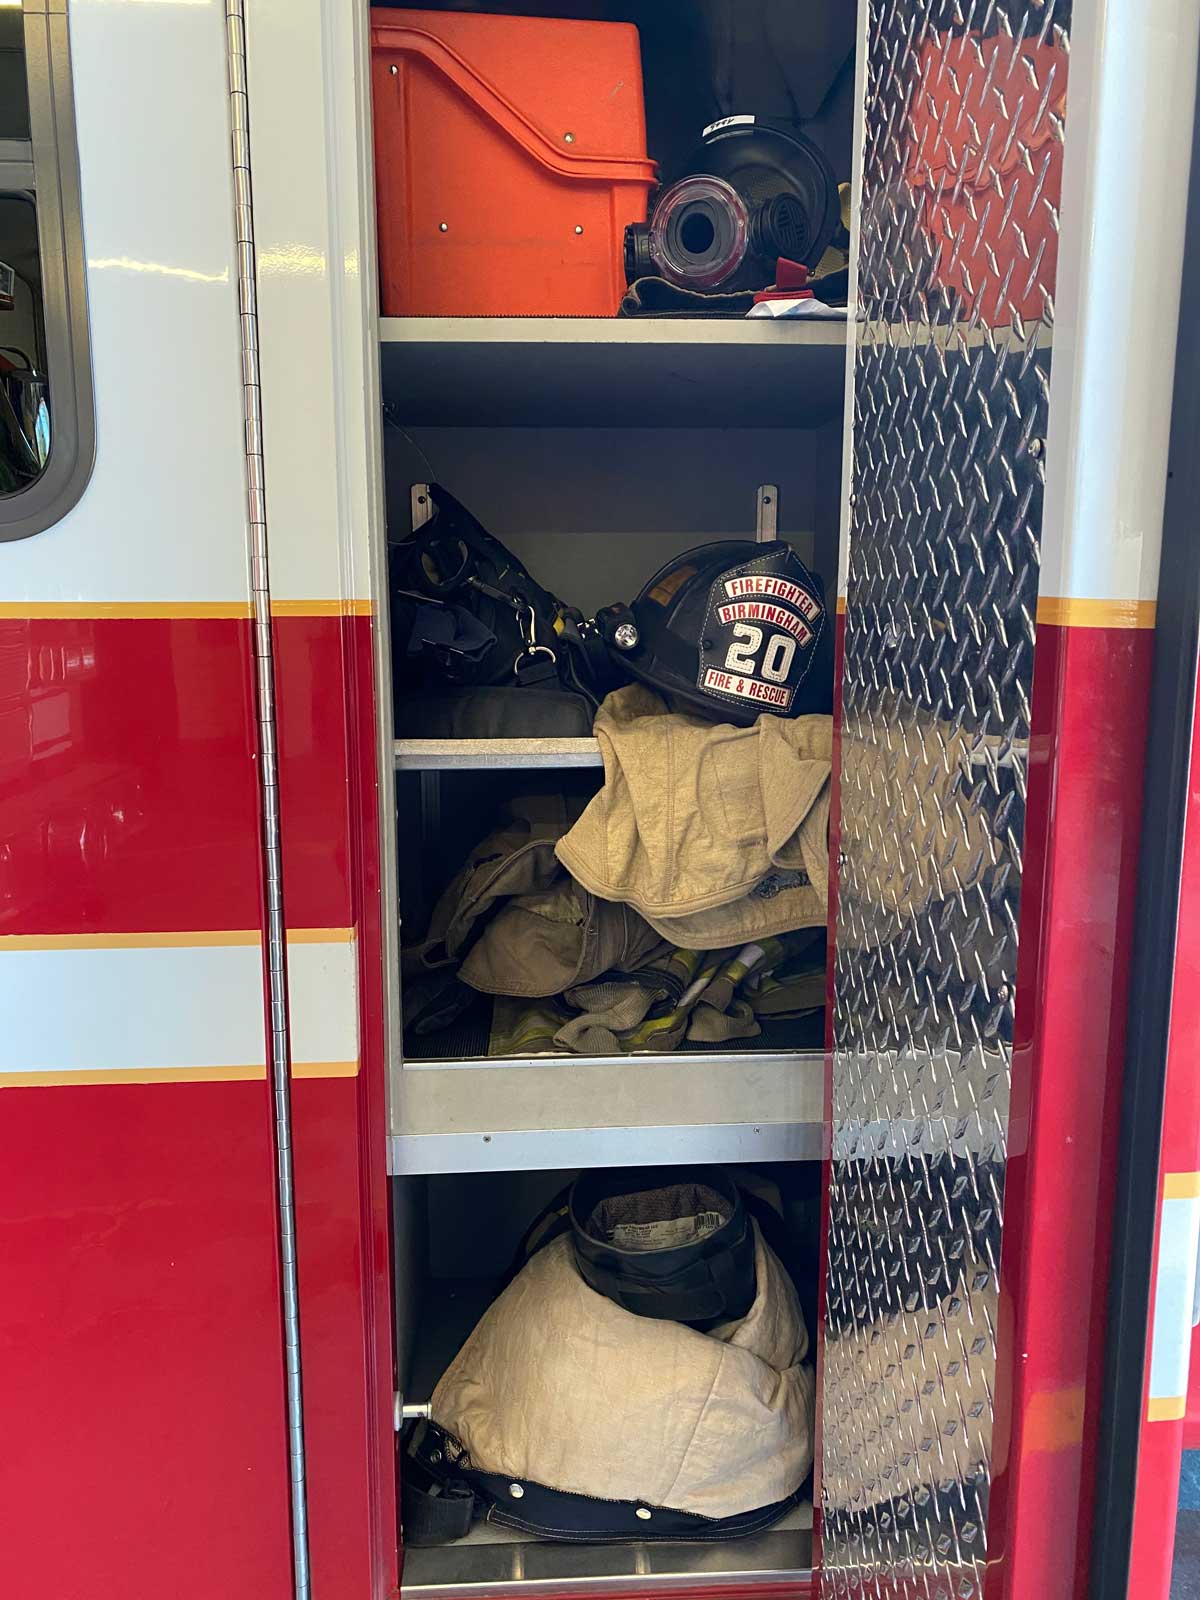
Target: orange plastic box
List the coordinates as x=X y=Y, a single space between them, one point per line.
x=510 y=153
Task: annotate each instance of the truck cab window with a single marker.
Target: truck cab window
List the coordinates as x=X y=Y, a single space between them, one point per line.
x=46 y=419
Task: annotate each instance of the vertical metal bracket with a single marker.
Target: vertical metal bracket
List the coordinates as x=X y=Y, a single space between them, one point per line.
x=421 y=504
x=767 y=520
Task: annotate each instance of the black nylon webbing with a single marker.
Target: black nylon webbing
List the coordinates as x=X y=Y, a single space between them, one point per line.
x=437 y=1514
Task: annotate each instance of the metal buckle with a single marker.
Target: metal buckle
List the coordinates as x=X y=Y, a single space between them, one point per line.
x=526 y=621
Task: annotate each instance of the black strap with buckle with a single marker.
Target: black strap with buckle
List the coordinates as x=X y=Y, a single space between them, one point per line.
x=437 y=1504
x=441 y=1491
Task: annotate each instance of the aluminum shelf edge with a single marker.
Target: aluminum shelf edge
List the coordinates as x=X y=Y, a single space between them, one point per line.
x=502 y=1563
x=633 y=332
x=611 y=372
x=458 y=755
x=626 y=1111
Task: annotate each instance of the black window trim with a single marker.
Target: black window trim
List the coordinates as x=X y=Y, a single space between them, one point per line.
x=52 y=153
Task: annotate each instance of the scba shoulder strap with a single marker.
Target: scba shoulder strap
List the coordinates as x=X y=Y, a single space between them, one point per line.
x=441 y=1492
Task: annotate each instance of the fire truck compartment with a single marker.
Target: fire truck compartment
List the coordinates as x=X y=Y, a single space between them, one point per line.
x=596 y=450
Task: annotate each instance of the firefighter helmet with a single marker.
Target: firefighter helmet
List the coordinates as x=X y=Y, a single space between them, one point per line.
x=733 y=629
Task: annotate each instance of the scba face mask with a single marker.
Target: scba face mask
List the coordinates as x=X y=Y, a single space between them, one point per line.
x=756 y=192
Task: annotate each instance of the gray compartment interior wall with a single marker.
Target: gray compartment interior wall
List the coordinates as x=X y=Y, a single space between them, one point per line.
x=593 y=512
x=467 y=805
x=454 y=1239
x=410 y=1266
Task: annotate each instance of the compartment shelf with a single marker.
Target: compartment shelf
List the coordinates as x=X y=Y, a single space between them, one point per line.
x=612 y=372
x=503 y=1562
x=451 y=755
x=499 y=1116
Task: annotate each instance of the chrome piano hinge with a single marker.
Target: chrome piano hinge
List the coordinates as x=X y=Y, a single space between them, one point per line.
x=279 y=1054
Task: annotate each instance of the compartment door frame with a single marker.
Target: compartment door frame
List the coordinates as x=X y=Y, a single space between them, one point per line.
x=1156 y=1236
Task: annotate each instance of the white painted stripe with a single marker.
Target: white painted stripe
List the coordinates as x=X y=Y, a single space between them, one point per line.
x=311 y=113
x=1129 y=110
x=1174 y=1290
x=323 y=1000
x=164 y=515
x=109 y=1010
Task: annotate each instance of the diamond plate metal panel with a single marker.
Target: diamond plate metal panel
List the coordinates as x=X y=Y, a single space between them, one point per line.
x=964 y=109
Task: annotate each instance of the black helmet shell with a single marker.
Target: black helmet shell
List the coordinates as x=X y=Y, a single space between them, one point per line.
x=733 y=629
